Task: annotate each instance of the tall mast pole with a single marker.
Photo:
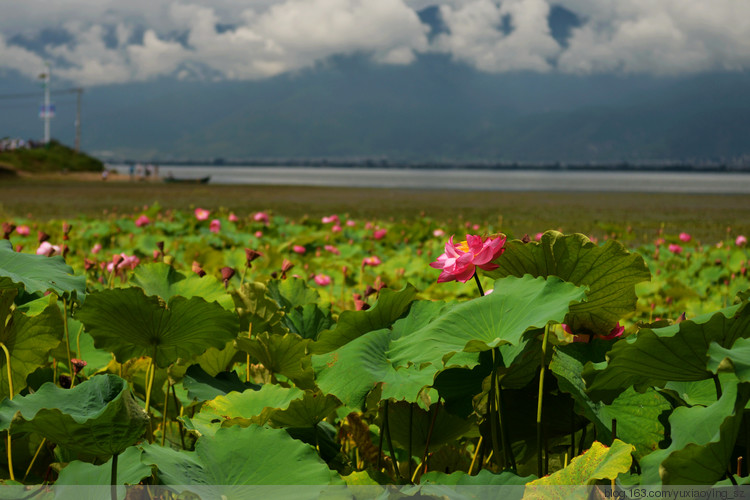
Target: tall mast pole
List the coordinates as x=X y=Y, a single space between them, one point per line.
x=46 y=103
x=78 y=91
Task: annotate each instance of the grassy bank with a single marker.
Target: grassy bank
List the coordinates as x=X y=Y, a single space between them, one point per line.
x=708 y=217
x=54 y=157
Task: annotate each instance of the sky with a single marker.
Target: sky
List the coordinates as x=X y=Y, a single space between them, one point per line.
x=104 y=42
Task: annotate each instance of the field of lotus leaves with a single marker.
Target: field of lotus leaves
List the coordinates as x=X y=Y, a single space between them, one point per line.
x=189 y=348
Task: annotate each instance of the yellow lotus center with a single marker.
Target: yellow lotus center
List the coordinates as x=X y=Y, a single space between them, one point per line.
x=464 y=246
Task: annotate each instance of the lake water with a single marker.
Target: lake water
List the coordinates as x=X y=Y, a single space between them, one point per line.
x=469 y=179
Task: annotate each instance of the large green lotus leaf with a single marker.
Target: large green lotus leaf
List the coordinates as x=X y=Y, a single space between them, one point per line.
x=241 y=456
x=502 y=317
x=702 y=441
x=292 y=293
x=637 y=414
x=29 y=340
x=131 y=325
x=677 y=352
x=599 y=462
x=130 y=470
x=391 y=305
x=203 y=387
x=306 y=412
x=482 y=478
x=447 y=427
x=98 y=416
x=258 y=313
x=698 y=392
x=38 y=273
x=242 y=408
x=352 y=371
x=736 y=359
x=609 y=272
x=164 y=281
x=216 y=361
x=281 y=354
x=308 y=321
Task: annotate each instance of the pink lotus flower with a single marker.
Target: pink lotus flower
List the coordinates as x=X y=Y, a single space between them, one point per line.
x=143 y=220
x=351 y=223
x=613 y=334
x=332 y=249
x=258 y=234
x=438 y=233
x=674 y=248
x=215 y=226
x=47 y=249
x=538 y=236
x=322 y=279
x=379 y=234
x=233 y=218
x=261 y=217
x=371 y=261
x=23 y=230
x=202 y=214
x=741 y=241
x=685 y=237
x=336 y=228
x=96 y=248
x=298 y=249
x=459 y=262
x=330 y=218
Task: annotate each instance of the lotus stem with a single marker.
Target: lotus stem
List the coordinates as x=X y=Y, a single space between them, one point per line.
x=164 y=416
x=479 y=284
x=78 y=342
x=492 y=407
x=380 y=444
x=411 y=432
x=540 y=398
x=389 y=440
x=509 y=456
x=247 y=365
x=474 y=457
x=717 y=385
x=179 y=422
x=67 y=339
x=429 y=436
x=113 y=477
x=148 y=380
x=10 y=388
x=39 y=448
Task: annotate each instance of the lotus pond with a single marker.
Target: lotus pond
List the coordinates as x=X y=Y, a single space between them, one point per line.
x=185 y=348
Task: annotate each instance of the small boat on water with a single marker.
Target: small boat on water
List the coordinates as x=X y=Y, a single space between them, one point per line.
x=201 y=180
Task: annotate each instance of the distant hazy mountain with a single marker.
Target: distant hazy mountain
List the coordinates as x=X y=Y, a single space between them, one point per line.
x=430 y=110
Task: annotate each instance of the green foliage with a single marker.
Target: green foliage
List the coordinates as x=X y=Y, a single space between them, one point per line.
x=54 y=157
x=37 y=273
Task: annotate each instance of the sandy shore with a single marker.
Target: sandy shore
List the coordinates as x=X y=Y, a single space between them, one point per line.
x=82 y=176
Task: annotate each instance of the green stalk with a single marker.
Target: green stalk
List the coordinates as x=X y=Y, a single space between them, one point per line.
x=511 y=459
x=492 y=409
x=67 y=339
x=164 y=417
x=429 y=435
x=390 y=441
x=411 y=431
x=10 y=388
x=717 y=385
x=380 y=444
x=540 y=398
x=44 y=440
x=113 y=477
x=179 y=422
x=479 y=284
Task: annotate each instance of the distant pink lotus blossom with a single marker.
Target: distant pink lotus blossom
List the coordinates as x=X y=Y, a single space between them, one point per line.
x=122 y=261
x=741 y=241
x=258 y=234
x=23 y=230
x=368 y=225
x=298 y=249
x=459 y=262
x=613 y=334
x=330 y=218
x=215 y=226
x=538 y=236
x=379 y=234
x=675 y=248
x=202 y=214
x=96 y=248
x=351 y=223
x=336 y=229
x=685 y=237
x=322 y=279
x=475 y=227
x=261 y=217
x=438 y=233
x=47 y=249
x=332 y=249
x=143 y=220
x=233 y=218
x=371 y=261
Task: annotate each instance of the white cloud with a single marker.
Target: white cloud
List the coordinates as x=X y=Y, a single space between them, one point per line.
x=116 y=41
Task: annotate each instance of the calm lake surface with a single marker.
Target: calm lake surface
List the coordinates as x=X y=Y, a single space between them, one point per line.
x=468 y=179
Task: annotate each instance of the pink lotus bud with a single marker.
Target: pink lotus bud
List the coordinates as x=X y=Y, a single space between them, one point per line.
x=332 y=249
x=298 y=249
x=261 y=217
x=685 y=237
x=438 y=233
x=538 y=236
x=233 y=218
x=322 y=279
x=258 y=234
x=379 y=234
x=350 y=223
x=330 y=218
x=96 y=248
x=23 y=230
x=741 y=241
x=674 y=248
x=336 y=229
x=371 y=261
x=142 y=221
x=215 y=226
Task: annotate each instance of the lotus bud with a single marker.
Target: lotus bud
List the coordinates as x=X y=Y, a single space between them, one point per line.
x=251 y=255
x=78 y=365
x=226 y=275
x=42 y=236
x=8 y=228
